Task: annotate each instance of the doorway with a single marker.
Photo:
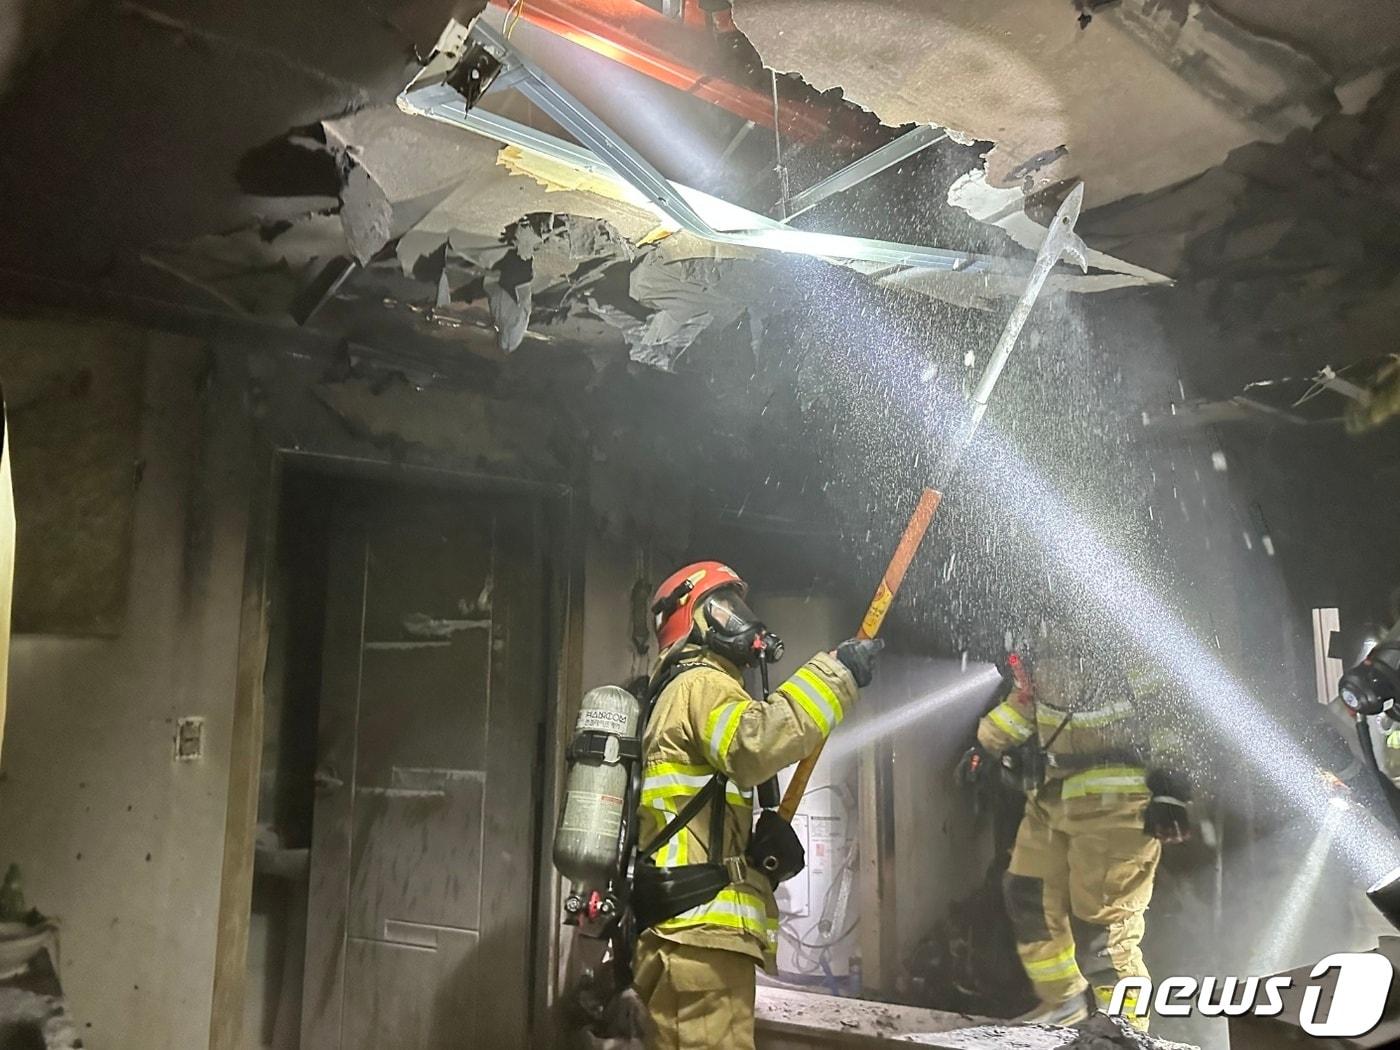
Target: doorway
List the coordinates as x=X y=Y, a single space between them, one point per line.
x=399 y=817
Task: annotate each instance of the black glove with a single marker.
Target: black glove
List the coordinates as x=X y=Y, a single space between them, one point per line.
x=775 y=849
x=858 y=654
x=975 y=764
x=1166 y=817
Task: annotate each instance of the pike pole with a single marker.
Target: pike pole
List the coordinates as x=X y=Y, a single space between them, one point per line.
x=1061 y=242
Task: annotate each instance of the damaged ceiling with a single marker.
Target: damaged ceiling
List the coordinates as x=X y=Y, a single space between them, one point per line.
x=1065 y=99
x=250 y=163
x=1247 y=149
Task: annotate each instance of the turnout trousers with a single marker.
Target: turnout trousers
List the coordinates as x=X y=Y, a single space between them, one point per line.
x=699 y=998
x=1077 y=892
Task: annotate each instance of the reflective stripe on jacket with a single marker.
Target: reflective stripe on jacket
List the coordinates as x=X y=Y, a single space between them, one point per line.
x=705 y=722
x=1108 y=728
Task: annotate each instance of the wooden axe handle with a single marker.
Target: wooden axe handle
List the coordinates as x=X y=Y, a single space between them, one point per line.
x=903 y=555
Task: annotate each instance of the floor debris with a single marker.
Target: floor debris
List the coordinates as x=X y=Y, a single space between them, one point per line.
x=1099 y=1032
x=33 y=1017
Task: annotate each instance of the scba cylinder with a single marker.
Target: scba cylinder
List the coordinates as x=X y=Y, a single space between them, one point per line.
x=586 y=844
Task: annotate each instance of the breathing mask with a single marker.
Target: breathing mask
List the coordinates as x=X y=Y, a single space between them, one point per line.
x=1373 y=685
x=729 y=627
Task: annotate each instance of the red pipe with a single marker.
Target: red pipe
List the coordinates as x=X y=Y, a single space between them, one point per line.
x=629 y=32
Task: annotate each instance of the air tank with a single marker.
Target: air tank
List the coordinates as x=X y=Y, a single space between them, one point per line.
x=590 y=823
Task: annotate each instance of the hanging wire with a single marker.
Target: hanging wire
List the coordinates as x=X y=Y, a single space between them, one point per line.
x=779 y=167
x=513 y=17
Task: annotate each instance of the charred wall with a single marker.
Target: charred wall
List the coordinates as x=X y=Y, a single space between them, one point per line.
x=116 y=838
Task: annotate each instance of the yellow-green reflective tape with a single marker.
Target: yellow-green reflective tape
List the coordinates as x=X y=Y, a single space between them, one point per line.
x=732 y=907
x=811 y=678
x=721 y=726
x=1107 y=780
x=1054 y=968
x=1010 y=721
x=815 y=698
x=1100 y=716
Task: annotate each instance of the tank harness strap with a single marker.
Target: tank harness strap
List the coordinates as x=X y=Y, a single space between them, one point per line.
x=660 y=894
x=717 y=804
x=711 y=794
x=593 y=743
x=713 y=791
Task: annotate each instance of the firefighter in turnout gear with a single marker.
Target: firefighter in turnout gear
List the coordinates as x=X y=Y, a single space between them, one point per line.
x=1098 y=810
x=694 y=968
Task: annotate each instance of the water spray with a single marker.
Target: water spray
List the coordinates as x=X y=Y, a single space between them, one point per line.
x=1061 y=242
x=968 y=685
x=1067 y=535
x=1278 y=952
x=1369 y=847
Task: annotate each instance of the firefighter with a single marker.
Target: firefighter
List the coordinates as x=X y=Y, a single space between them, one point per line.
x=694 y=968
x=1098 y=810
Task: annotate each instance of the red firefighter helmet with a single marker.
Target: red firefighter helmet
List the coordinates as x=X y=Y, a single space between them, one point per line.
x=680 y=594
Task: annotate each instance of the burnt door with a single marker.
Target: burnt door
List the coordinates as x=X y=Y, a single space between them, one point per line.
x=423 y=843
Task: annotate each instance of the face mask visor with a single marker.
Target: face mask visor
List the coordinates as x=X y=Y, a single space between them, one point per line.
x=735 y=632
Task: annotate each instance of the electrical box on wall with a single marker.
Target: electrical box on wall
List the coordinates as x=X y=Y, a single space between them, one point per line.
x=189 y=739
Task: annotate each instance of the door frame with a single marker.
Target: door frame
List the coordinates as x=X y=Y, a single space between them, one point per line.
x=563 y=552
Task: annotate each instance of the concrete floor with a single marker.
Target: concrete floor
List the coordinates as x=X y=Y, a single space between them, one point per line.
x=792 y=1020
